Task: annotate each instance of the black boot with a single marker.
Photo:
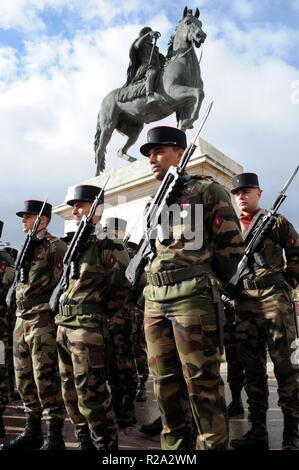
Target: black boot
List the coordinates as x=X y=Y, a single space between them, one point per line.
x=153 y=428
x=235 y=408
x=54 y=436
x=31 y=438
x=128 y=417
x=118 y=406
x=141 y=391
x=256 y=438
x=290 y=433
x=14 y=396
x=2 y=428
x=83 y=435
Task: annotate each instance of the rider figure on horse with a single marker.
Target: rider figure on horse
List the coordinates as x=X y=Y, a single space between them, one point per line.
x=145 y=60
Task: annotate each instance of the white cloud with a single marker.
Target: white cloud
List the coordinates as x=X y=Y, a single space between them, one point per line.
x=243 y=8
x=24 y=14
x=295 y=4
x=8 y=63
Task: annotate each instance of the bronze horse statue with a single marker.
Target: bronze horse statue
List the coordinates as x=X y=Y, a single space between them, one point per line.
x=179 y=90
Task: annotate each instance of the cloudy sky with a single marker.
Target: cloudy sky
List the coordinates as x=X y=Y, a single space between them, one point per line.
x=59 y=58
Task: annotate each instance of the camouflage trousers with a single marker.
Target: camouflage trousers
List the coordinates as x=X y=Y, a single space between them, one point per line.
x=265 y=320
x=4 y=377
x=184 y=360
x=235 y=371
x=140 y=349
x=36 y=366
x=83 y=371
x=122 y=364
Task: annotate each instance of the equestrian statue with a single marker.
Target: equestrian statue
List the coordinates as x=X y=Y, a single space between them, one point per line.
x=156 y=87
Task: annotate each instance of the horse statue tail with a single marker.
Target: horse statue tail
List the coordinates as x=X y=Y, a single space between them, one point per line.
x=99 y=154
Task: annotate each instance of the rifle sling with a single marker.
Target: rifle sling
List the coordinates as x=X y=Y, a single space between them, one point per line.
x=165 y=278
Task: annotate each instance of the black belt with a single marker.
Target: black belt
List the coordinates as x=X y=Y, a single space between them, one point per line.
x=263 y=282
x=80 y=309
x=165 y=278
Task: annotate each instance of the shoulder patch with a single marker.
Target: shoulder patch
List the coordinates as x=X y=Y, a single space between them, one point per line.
x=111 y=261
x=217 y=222
x=203 y=177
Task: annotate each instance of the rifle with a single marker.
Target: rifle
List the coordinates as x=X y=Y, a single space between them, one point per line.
x=24 y=258
x=259 y=235
x=74 y=251
x=173 y=180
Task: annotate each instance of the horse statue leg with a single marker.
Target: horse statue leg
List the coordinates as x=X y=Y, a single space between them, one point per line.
x=188 y=111
x=106 y=123
x=102 y=138
x=131 y=129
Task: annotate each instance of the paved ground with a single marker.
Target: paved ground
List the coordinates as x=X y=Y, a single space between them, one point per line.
x=133 y=439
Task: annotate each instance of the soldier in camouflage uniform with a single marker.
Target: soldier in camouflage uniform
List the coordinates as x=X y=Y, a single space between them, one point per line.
x=13 y=393
x=182 y=301
x=100 y=292
x=139 y=342
x=34 y=349
x=265 y=318
x=6 y=278
x=140 y=351
x=122 y=368
x=235 y=371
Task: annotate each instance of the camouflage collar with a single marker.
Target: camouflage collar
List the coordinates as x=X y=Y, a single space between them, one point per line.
x=43 y=234
x=254 y=223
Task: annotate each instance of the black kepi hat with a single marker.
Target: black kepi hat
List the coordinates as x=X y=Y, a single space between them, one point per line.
x=244 y=180
x=34 y=207
x=1 y=227
x=13 y=252
x=85 y=193
x=68 y=237
x=115 y=223
x=164 y=135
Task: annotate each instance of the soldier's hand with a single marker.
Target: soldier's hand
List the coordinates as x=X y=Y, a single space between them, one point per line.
x=156 y=34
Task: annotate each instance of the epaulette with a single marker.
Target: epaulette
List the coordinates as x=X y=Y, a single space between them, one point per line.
x=52 y=239
x=203 y=177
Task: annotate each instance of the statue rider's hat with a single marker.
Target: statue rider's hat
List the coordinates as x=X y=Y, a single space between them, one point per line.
x=164 y=135
x=144 y=30
x=244 y=180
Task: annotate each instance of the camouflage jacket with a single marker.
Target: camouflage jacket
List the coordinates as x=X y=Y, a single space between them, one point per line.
x=206 y=210
x=6 y=277
x=45 y=270
x=7 y=272
x=279 y=252
x=101 y=286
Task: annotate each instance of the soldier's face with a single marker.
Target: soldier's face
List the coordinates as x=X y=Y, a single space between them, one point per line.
x=79 y=210
x=248 y=199
x=82 y=208
x=28 y=222
x=161 y=158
